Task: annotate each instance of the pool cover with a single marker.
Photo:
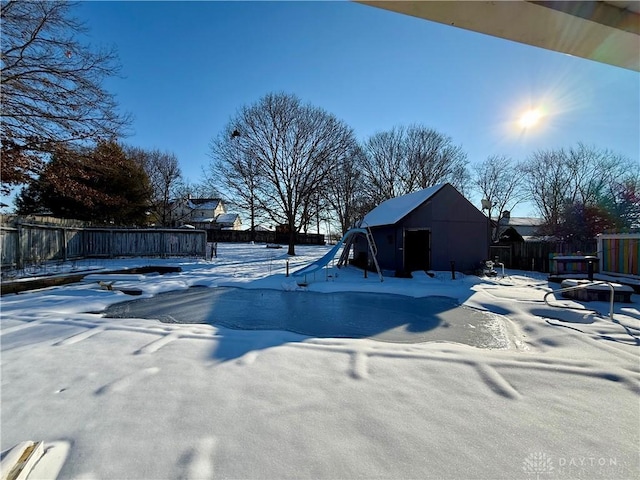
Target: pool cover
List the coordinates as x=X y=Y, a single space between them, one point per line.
x=382 y=317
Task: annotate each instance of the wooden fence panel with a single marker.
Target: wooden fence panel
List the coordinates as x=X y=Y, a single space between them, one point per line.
x=135 y=243
x=186 y=244
x=9 y=246
x=244 y=236
x=74 y=243
x=13 y=220
x=97 y=243
x=537 y=256
x=25 y=244
x=46 y=244
x=620 y=254
x=31 y=244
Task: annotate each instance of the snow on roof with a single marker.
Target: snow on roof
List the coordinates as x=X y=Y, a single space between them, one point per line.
x=203 y=203
x=393 y=210
x=203 y=219
x=538 y=238
x=259 y=228
x=521 y=221
x=227 y=218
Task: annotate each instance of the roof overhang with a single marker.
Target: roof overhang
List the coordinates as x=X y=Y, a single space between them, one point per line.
x=604 y=31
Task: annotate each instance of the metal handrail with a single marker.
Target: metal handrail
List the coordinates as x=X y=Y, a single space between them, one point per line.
x=577 y=287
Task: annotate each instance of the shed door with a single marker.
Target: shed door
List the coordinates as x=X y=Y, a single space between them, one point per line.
x=417 y=250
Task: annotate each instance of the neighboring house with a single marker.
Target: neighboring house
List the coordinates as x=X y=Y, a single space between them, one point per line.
x=519 y=229
x=204 y=213
x=229 y=221
x=426 y=230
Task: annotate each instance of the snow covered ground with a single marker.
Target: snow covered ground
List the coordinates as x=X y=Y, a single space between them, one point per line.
x=116 y=398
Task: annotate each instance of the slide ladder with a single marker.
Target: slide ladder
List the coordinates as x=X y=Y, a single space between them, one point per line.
x=345 y=244
x=373 y=250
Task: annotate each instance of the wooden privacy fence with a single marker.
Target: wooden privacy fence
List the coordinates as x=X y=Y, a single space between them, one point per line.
x=537 y=256
x=619 y=254
x=262 y=236
x=24 y=244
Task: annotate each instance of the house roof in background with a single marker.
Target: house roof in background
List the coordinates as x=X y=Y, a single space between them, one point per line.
x=521 y=222
x=227 y=218
x=203 y=203
x=538 y=238
x=259 y=228
x=395 y=209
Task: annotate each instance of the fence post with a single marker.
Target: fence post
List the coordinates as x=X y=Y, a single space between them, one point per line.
x=19 y=262
x=599 y=252
x=64 y=244
x=590 y=269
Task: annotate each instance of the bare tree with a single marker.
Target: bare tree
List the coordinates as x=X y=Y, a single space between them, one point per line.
x=556 y=180
x=295 y=148
x=592 y=171
x=188 y=189
x=622 y=199
x=164 y=174
x=433 y=158
x=385 y=166
x=499 y=180
x=51 y=87
x=344 y=191
x=546 y=181
x=405 y=159
x=235 y=171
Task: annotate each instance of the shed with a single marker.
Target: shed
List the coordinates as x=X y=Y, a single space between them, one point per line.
x=229 y=221
x=426 y=230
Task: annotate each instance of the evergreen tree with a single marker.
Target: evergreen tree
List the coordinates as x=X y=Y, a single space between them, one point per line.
x=102 y=185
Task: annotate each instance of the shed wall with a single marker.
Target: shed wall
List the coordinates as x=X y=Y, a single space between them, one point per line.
x=459 y=232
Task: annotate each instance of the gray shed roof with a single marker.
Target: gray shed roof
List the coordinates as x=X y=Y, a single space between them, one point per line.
x=395 y=209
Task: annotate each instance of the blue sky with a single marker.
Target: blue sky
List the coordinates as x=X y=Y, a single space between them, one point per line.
x=188 y=66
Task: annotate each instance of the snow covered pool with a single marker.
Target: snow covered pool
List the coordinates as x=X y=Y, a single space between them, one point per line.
x=382 y=317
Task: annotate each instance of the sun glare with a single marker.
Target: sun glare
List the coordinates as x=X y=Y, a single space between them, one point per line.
x=530 y=118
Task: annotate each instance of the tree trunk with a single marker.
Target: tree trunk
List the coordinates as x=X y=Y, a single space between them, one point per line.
x=253 y=222
x=292 y=241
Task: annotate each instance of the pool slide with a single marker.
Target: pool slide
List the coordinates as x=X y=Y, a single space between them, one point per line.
x=327 y=257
